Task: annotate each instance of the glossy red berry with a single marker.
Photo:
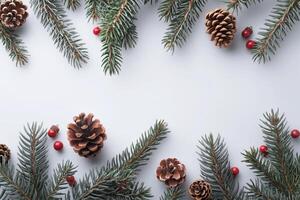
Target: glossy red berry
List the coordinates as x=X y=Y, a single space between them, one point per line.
x=97 y=31
x=263 y=149
x=247 y=32
x=71 y=180
x=295 y=133
x=58 y=145
x=53 y=131
x=250 y=44
x=235 y=171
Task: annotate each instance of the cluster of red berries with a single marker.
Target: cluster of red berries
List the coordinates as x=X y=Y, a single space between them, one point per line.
x=52 y=132
x=246 y=33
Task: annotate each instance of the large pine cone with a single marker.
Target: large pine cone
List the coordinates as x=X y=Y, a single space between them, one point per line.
x=221 y=25
x=200 y=190
x=4 y=153
x=13 y=13
x=171 y=172
x=86 y=135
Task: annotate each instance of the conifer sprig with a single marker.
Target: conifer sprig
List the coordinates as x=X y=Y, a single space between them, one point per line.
x=237 y=5
x=53 y=17
x=14 y=45
x=215 y=168
x=176 y=193
x=281 y=20
x=184 y=17
x=72 y=4
x=95 y=8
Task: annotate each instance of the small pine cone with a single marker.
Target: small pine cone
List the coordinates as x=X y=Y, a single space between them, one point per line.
x=4 y=153
x=86 y=135
x=171 y=172
x=200 y=190
x=221 y=25
x=13 y=13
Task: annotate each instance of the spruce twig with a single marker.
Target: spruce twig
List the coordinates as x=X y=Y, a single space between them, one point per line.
x=281 y=20
x=72 y=4
x=176 y=193
x=53 y=17
x=14 y=45
x=237 y=5
x=95 y=8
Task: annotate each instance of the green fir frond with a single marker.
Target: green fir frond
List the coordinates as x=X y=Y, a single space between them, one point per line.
x=215 y=168
x=54 y=19
x=14 y=45
x=72 y=4
x=130 y=38
x=116 y=23
x=186 y=14
x=176 y=193
x=167 y=9
x=237 y=5
x=95 y=8
x=281 y=20
x=119 y=174
x=58 y=183
x=33 y=164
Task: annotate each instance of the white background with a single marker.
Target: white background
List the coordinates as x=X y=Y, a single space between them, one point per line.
x=197 y=90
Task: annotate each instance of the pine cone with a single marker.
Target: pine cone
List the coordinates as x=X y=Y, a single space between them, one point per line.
x=13 y=13
x=4 y=153
x=171 y=172
x=200 y=190
x=221 y=25
x=86 y=135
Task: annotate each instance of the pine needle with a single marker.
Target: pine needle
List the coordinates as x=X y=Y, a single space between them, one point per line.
x=176 y=193
x=72 y=4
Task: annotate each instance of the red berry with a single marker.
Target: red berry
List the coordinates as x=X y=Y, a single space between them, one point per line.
x=247 y=32
x=58 y=145
x=71 y=180
x=263 y=149
x=250 y=44
x=97 y=31
x=235 y=171
x=53 y=131
x=295 y=133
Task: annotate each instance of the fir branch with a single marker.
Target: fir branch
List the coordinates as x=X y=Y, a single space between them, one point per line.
x=58 y=183
x=281 y=20
x=14 y=45
x=237 y=5
x=95 y=8
x=72 y=4
x=187 y=13
x=176 y=193
x=33 y=163
x=215 y=168
x=167 y=9
x=130 y=38
x=53 y=17
x=116 y=23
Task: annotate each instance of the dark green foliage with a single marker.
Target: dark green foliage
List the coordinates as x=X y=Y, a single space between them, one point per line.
x=72 y=4
x=176 y=193
x=95 y=8
x=281 y=20
x=14 y=45
x=215 y=168
x=53 y=17
x=30 y=181
x=182 y=16
x=278 y=175
x=118 y=178
x=237 y=5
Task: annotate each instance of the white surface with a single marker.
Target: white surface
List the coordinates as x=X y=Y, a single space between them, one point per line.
x=197 y=90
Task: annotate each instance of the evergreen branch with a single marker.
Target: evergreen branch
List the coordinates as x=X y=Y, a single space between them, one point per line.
x=215 y=168
x=116 y=23
x=176 y=193
x=130 y=38
x=281 y=153
x=33 y=164
x=132 y=191
x=281 y=20
x=72 y=4
x=53 y=17
x=167 y=9
x=58 y=183
x=14 y=45
x=9 y=185
x=187 y=13
x=95 y=8
x=262 y=168
x=237 y=5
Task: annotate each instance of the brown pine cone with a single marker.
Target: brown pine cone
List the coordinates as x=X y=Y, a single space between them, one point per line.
x=171 y=172
x=200 y=190
x=4 y=153
x=13 y=13
x=221 y=25
x=86 y=135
